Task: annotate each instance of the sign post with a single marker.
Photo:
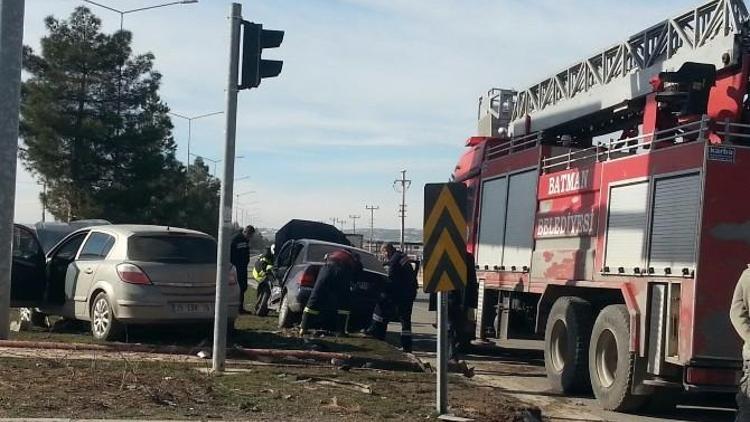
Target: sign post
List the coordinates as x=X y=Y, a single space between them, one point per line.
x=445 y=268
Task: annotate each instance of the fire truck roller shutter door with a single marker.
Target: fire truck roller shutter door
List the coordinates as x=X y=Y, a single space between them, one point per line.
x=492 y=223
x=674 y=223
x=626 y=227
x=519 y=229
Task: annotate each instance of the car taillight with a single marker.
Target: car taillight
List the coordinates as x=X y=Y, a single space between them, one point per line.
x=309 y=276
x=232 y=276
x=133 y=274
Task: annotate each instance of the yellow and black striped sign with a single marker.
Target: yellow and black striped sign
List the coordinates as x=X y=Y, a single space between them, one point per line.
x=444 y=237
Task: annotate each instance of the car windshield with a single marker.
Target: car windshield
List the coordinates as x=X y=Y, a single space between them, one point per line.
x=169 y=248
x=316 y=253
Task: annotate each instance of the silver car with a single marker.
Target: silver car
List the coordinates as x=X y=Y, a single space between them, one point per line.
x=116 y=275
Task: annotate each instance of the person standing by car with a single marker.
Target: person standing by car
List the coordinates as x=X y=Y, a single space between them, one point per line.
x=331 y=294
x=739 y=313
x=240 y=258
x=398 y=297
x=262 y=273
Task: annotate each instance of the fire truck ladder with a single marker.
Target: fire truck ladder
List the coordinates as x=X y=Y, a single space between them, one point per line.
x=705 y=34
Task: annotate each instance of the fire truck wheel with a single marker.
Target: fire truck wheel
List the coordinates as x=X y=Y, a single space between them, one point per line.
x=611 y=362
x=566 y=342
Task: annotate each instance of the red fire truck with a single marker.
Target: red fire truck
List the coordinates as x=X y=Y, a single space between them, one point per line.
x=608 y=210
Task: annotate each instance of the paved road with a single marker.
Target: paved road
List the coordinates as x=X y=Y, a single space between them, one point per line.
x=520 y=372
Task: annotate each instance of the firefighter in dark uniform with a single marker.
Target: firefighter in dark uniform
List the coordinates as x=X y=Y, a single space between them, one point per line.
x=331 y=295
x=398 y=297
x=240 y=258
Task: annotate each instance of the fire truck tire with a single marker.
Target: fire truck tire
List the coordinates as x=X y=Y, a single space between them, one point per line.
x=566 y=342
x=611 y=364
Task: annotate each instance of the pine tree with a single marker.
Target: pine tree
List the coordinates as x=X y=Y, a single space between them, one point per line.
x=96 y=131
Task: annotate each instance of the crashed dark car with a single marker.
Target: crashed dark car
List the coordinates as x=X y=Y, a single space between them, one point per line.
x=300 y=250
x=298 y=264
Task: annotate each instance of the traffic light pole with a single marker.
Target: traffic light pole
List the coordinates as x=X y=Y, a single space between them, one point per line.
x=227 y=187
x=11 y=41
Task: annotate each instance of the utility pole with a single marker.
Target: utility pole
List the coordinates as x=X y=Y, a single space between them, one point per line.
x=225 y=211
x=402 y=185
x=11 y=42
x=341 y=223
x=354 y=222
x=372 y=209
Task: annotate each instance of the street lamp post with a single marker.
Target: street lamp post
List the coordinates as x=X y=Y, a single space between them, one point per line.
x=140 y=9
x=237 y=200
x=190 y=128
x=216 y=161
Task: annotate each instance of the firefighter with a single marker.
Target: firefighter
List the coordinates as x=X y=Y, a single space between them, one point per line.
x=261 y=273
x=240 y=258
x=398 y=298
x=740 y=315
x=332 y=292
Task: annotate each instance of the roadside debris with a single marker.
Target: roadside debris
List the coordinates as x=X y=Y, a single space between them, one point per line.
x=331 y=382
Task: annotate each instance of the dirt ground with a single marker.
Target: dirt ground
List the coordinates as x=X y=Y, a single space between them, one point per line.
x=85 y=384
x=125 y=388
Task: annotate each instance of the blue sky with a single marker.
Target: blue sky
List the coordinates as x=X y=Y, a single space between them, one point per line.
x=368 y=87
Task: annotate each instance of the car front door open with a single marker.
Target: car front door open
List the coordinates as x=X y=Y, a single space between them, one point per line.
x=28 y=280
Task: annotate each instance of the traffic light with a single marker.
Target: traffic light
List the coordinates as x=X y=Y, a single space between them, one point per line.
x=254 y=40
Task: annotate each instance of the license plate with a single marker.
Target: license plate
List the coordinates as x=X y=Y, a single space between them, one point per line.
x=192 y=308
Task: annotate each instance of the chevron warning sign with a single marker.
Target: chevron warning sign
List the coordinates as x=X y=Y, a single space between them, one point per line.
x=444 y=237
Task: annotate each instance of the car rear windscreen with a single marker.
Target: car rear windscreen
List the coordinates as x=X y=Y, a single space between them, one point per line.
x=171 y=248
x=316 y=253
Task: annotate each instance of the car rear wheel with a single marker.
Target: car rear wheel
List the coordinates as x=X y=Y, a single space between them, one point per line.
x=104 y=325
x=286 y=316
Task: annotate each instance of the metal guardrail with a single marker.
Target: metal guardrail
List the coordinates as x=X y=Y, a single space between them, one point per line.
x=641 y=144
x=732 y=131
x=514 y=145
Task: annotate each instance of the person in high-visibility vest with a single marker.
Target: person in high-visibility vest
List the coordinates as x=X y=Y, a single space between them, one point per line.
x=261 y=273
x=332 y=291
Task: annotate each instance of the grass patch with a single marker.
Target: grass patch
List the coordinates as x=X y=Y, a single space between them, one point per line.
x=131 y=389
x=252 y=331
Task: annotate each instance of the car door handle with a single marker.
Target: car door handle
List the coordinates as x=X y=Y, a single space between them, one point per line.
x=88 y=270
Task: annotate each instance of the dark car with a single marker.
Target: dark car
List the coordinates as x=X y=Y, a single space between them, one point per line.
x=297 y=266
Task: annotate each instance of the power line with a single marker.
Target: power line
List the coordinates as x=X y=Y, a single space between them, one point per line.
x=402 y=185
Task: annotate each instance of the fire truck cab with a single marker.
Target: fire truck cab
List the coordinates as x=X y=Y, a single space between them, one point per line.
x=608 y=215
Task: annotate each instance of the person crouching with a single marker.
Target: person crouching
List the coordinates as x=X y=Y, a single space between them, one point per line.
x=330 y=297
